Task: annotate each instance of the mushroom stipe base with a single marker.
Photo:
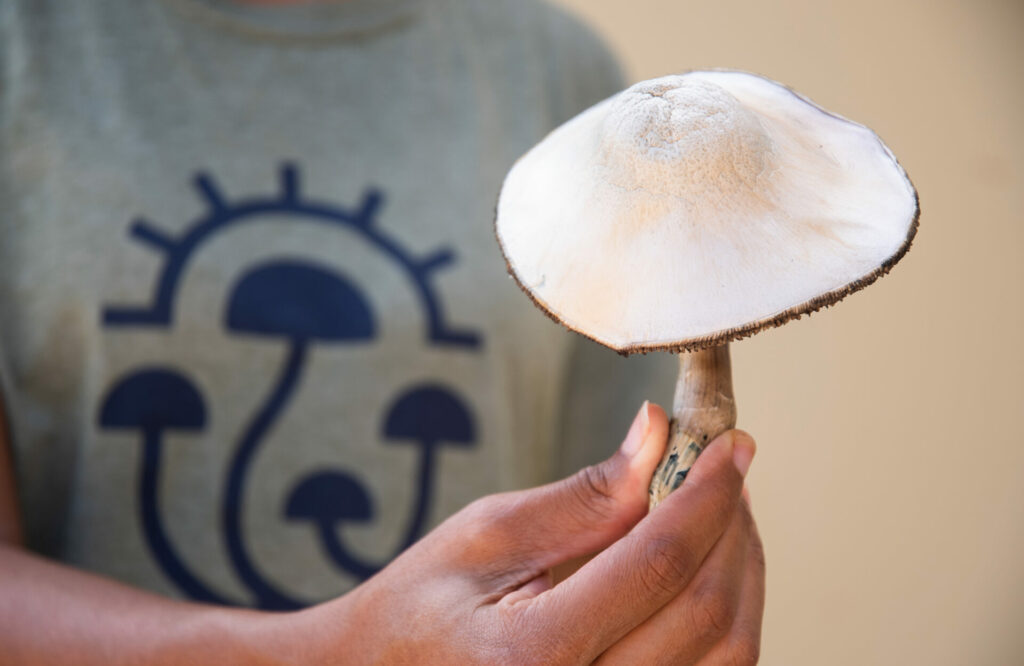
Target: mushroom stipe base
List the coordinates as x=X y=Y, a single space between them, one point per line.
x=680 y=456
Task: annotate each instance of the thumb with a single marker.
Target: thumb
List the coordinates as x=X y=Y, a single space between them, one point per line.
x=591 y=509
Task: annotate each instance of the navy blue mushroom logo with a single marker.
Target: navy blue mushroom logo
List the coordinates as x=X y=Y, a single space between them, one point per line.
x=154 y=401
x=298 y=304
x=427 y=417
x=327 y=500
x=294 y=303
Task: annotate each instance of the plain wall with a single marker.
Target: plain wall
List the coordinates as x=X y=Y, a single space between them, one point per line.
x=887 y=486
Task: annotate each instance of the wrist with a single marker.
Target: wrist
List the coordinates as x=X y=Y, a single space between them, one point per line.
x=322 y=634
x=233 y=636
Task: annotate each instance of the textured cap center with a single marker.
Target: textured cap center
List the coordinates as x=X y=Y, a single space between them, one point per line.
x=686 y=138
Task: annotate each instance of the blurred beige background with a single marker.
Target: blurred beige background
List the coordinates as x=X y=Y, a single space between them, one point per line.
x=888 y=484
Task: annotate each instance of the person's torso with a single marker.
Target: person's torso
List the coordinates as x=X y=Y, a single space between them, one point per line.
x=256 y=335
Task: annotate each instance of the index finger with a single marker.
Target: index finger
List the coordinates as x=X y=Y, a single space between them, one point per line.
x=643 y=571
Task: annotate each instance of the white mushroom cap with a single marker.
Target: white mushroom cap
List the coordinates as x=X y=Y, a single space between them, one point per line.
x=693 y=209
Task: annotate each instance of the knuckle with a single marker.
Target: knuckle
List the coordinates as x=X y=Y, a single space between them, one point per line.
x=477 y=517
x=594 y=482
x=665 y=565
x=713 y=613
x=592 y=494
x=479 y=508
x=491 y=511
x=479 y=529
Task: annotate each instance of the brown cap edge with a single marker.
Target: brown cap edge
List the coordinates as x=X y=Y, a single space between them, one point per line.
x=738 y=333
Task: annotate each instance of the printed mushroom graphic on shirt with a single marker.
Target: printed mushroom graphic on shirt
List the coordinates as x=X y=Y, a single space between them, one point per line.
x=428 y=415
x=154 y=401
x=299 y=304
x=328 y=499
x=297 y=298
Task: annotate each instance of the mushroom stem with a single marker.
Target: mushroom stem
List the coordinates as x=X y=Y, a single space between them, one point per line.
x=703 y=408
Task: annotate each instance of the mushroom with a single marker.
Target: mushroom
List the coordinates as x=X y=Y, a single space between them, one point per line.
x=696 y=209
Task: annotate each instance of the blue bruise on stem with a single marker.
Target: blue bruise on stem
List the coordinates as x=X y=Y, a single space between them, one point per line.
x=154 y=401
x=298 y=304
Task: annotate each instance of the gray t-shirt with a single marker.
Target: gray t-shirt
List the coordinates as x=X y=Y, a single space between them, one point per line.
x=256 y=335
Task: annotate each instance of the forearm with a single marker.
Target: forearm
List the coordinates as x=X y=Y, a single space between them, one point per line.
x=54 y=614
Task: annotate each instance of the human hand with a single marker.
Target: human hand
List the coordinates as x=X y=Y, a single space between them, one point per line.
x=684 y=584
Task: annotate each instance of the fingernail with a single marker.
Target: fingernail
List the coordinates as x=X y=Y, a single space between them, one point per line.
x=637 y=431
x=743 y=449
